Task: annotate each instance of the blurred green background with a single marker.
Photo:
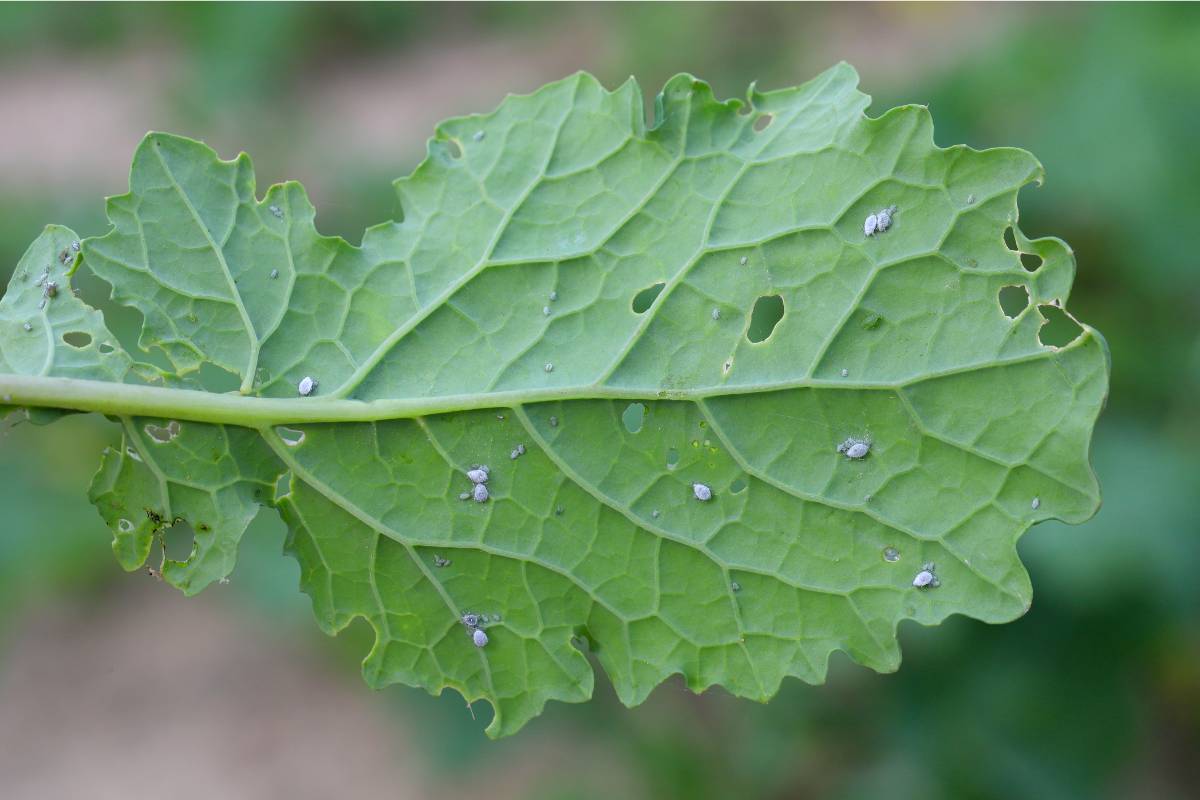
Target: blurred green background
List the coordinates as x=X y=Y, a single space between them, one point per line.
x=111 y=685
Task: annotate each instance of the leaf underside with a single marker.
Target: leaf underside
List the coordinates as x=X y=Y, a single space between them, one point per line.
x=569 y=300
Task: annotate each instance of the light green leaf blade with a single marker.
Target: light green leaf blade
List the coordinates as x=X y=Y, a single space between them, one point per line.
x=618 y=320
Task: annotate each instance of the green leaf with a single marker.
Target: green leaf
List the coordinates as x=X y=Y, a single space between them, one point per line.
x=617 y=320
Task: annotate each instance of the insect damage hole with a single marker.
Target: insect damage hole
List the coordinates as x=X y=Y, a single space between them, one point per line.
x=633 y=417
x=290 y=436
x=1010 y=239
x=77 y=339
x=763 y=122
x=1013 y=300
x=163 y=433
x=646 y=297
x=765 y=315
x=1031 y=261
x=1059 y=329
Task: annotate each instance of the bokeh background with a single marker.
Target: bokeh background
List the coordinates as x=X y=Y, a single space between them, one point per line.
x=112 y=685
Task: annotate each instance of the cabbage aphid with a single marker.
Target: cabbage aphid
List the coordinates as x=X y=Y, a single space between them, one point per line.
x=870 y=225
x=480 y=493
x=306 y=386
x=479 y=638
x=701 y=491
x=478 y=475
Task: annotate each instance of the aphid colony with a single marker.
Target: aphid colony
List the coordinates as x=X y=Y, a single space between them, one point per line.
x=878 y=222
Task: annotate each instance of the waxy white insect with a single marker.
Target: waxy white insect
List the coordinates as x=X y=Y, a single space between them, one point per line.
x=276 y=210
x=480 y=493
x=845 y=373
x=470 y=620
x=438 y=561
x=274 y=274
x=549 y=367
x=306 y=386
x=716 y=313
x=883 y=220
x=479 y=638
x=479 y=474
x=855 y=448
x=1037 y=502
x=553 y=296
x=478 y=136
x=869 y=226
x=702 y=491
x=926 y=579
x=27 y=326
x=546 y=310
x=744 y=260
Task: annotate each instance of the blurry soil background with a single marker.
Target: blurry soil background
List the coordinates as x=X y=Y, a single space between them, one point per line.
x=114 y=686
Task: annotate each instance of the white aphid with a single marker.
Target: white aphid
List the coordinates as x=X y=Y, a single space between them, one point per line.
x=1037 y=502
x=478 y=475
x=716 y=313
x=845 y=373
x=546 y=310
x=470 y=620
x=276 y=210
x=27 y=326
x=743 y=260
x=480 y=493
x=926 y=579
x=855 y=448
x=274 y=274
x=870 y=225
x=479 y=638
x=553 y=296
x=702 y=491
x=549 y=367
x=306 y=386
x=883 y=220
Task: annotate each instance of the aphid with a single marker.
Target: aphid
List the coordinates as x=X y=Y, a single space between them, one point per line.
x=27 y=326
x=51 y=289
x=855 y=448
x=479 y=638
x=970 y=199
x=554 y=422
x=870 y=225
x=480 y=493
x=546 y=310
x=743 y=261
x=478 y=475
x=549 y=367
x=274 y=274
x=702 y=491
x=306 y=386
x=716 y=313
x=845 y=373
x=438 y=561
x=464 y=496
x=65 y=256
x=883 y=220
x=926 y=577
x=553 y=296
x=656 y=513
x=470 y=620
x=558 y=511
x=1037 y=502
x=735 y=586
x=276 y=210
x=75 y=246
x=478 y=136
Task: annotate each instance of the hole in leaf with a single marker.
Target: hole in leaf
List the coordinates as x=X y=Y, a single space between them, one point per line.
x=77 y=339
x=738 y=486
x=218 y=379
x=1013 y=300
x=1030 y=261
x=454 y=148
x=646 y=297
x=163 y=433
x=745 y=109
x=672 y=458
x=283 y=485
x=1059 y=330
x=106 y=348
x=634 y=416
x=1010 y=239
x=763 y=122
x=178 y=538
x=767 y=312
x=290 y=436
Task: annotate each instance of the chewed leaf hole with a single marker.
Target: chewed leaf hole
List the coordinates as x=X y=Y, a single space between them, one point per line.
x=77 y=339
x=763 y=122
x=178 y=538
x=633 y=417
x=291 y=437
x=453 y=148
x=1059 y=330
x=767 y=312
x=646 y=297
x=738 y=486
x=1013 y=300
x=106 y=348
x=1031 y=261
x=1010 y=239
x=163 y=433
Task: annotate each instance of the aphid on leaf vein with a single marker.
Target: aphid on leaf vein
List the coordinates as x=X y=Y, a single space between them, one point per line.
x=306 y=386
x=553 y=296
x=701 y=491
